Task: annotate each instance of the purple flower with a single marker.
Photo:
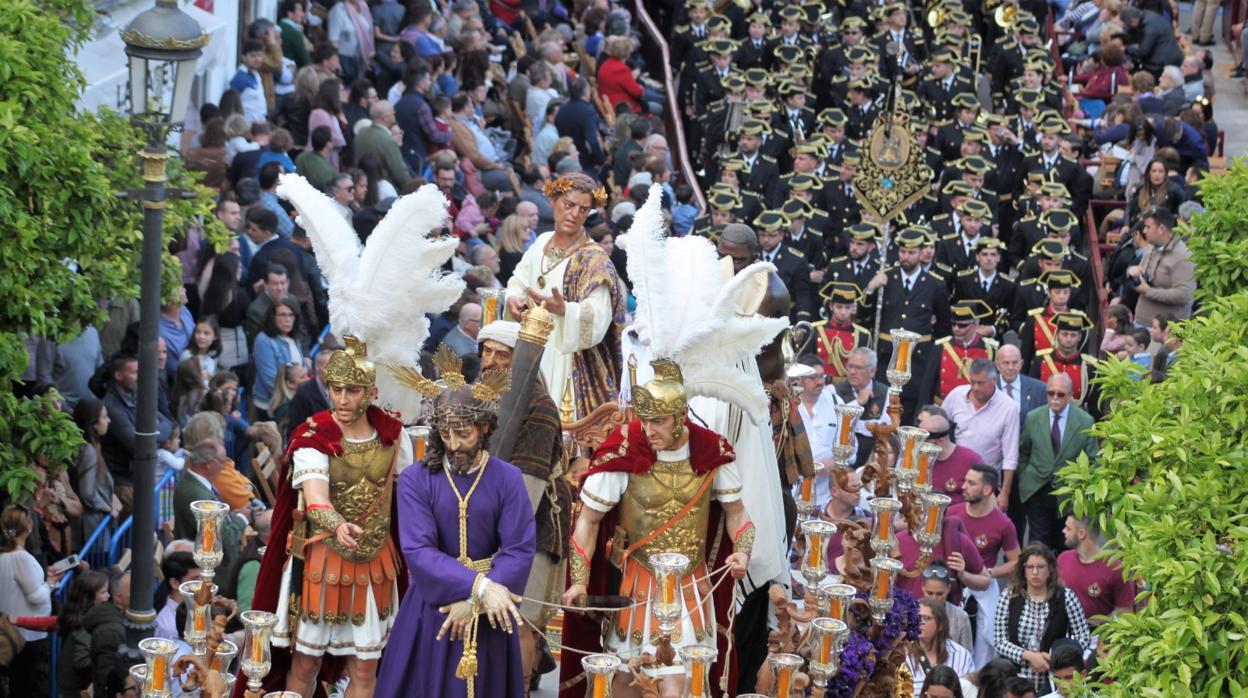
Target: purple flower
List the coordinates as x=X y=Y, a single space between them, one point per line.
x=860 y=654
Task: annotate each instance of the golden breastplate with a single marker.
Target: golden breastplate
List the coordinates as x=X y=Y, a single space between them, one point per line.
x=653 y=498
x=356 y=479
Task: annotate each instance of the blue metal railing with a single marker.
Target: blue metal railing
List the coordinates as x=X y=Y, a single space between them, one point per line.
x=98 y=556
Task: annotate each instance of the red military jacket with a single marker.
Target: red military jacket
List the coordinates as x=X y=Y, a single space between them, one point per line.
x=1051 y=363
x=833 y=343
x=955 y=361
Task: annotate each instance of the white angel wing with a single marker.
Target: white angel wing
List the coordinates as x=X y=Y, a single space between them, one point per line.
x=334 y=240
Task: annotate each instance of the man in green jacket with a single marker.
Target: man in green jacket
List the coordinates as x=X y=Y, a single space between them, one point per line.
x=294 y=43
x=376 y=139
x=1052 y=435
x=205 y=463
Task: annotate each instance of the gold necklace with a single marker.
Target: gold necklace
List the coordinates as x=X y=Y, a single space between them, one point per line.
x=463 y=506
x=556 y=256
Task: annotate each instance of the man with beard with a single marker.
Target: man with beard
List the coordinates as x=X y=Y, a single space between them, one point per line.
x=659 y=484
x=468 y=541
x=334 y=501
x=993 y=534
x=538 y=453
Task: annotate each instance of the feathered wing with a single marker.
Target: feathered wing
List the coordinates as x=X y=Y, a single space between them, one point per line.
x=333 y=239
x=691 y=261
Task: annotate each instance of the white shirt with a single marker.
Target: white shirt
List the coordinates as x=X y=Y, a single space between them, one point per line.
x=991 y=430
x=821 y=425
x=23 y=589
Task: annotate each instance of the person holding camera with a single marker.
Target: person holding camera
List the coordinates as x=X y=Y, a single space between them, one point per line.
x=1166 y=276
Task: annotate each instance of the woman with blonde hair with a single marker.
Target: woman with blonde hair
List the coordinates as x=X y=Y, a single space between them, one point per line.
x=514 y=238
x=25 y=590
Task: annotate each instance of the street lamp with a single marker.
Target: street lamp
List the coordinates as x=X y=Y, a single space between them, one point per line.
x=162 y=45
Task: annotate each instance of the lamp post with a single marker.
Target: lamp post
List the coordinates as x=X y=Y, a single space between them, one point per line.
x=162 y=45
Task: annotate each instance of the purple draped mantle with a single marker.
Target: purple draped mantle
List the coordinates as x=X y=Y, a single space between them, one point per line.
x=500 y=523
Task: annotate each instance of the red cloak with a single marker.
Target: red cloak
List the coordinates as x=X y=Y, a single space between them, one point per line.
x=627 y=450
x=322 y=433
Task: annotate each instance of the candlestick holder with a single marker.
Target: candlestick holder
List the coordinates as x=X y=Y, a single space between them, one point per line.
x=883 y=514
x=806 y=501
x=814 y=561
x=847 y=420
x=493 y=305
x=884 y=571
x=208 y=552
x=138 y=673
x=898 y=373
x=837 y=598
x=929 y=453
x=698 y=660
x=420 y=440
x=667 y=597
x=828 y=635
x=934 y=505
x=224 y=657
x=908 y=463
x=158 y=656
x=599 y=672
x=199 y=618
x=257 y=654
x=784 y=667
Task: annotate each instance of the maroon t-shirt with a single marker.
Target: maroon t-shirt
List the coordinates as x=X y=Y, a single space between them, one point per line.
x=948 y=474
x=1100 y=587
x=991 y=534
x=953 y=538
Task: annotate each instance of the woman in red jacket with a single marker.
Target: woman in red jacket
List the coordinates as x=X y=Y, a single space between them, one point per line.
x=618 y=83
x=1101 y=77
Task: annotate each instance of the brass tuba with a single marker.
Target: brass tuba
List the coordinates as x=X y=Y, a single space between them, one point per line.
x=1006 y=15
x=936 y=16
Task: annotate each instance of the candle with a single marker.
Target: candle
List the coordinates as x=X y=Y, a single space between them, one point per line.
x=669 y=589
x=201 y=619
x=907 y=456
x=825 y=648
x=696 y=680
x=491 y=310
x=210 y=534
x=784 y=679
x=216 y=663
x=420 y=449
x=843 y=436
x=600 y=686
x=814 y=556
x=903 y=356
x=885 y=524
x=881 y=585
x=921 y=478
x=836 y=609
x=808 y=488
x=933 y=516
x=257 y=650
x=156 y=678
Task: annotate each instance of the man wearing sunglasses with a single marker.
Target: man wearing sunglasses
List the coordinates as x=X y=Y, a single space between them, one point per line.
x=1052 y=435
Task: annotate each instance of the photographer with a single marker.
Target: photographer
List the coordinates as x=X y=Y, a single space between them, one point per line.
x=1166 y=281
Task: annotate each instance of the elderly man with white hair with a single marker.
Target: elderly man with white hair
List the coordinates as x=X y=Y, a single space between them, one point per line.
x=1170 y=91
x=538 y=453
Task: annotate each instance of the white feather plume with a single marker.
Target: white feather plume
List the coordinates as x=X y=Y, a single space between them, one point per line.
x=336 y=244
x=687 y=311
x=381 y=293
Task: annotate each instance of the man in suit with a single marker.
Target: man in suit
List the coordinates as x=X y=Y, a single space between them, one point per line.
x=790 y=264
x=860 y=387
x=261 y=229
x=1155 y=45
x=1051 y=436
x=207 y=460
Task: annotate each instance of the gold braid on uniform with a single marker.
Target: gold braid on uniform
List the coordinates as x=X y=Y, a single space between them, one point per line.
x=743 y=542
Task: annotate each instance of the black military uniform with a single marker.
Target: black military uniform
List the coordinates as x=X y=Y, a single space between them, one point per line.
x=997 y=290
x=790 y=265
x=918 y=302
x=955 y=251
x=937 y=93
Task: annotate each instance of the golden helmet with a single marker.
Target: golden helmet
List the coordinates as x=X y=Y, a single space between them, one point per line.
x=350 y=366
x=664 y=396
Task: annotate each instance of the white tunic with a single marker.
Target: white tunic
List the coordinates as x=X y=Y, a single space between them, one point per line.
x=601 y=492
x=583 y=325
x=316 y=638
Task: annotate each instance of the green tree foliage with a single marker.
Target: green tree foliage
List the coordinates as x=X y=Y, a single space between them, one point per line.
x=1170 y=487
x=68 y=240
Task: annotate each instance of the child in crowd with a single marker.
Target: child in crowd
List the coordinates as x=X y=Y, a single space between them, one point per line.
x=684 y=212
x=204 y=347
x=441 y=107
x=1135 y=349
x=171 y=455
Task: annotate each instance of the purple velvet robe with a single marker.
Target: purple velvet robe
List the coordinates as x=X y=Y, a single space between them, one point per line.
x=500 y=523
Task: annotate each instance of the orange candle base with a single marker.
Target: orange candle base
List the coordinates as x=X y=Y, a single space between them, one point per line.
x=825 y=648
x=210 y=534
x=420 y=449
x=815 y=557
x=836 y=610
x=933 y=513
x=881 y=586
x=600 y=686
x=156 y=679
x=669 y=589
x=808 y=486
x=257 y=651
x=784 y=680
x=696 y=679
